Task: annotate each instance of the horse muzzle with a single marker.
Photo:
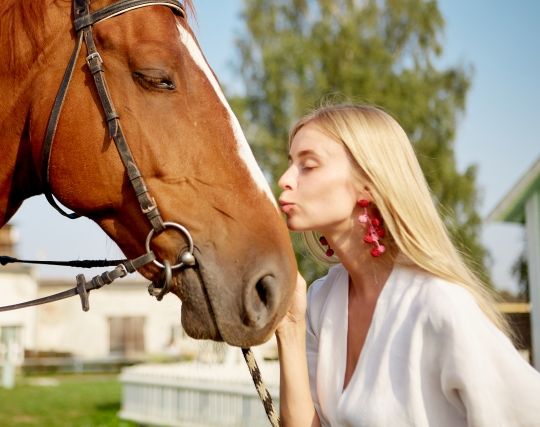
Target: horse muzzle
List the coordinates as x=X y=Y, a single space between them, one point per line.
x=219 y=306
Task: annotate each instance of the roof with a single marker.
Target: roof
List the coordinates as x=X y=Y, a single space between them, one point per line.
x=511 y=208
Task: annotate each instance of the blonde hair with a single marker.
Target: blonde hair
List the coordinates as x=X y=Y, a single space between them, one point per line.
x=386 y=158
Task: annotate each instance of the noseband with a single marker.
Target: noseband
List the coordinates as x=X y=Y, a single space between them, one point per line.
x=83 y=20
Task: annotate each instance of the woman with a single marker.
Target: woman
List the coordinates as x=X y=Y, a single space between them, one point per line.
x=400 y=332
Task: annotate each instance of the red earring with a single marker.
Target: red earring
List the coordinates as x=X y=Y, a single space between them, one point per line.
x=329 y=251
x=375 y=230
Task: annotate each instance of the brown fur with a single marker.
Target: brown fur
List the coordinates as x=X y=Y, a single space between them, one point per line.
x=184 y=146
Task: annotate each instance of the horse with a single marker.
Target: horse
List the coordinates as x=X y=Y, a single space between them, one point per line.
x=184 y=138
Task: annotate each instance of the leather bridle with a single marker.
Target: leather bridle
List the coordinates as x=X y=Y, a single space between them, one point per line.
x=83 y=20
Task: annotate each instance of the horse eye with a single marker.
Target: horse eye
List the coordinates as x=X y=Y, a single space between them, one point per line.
x=154 y=81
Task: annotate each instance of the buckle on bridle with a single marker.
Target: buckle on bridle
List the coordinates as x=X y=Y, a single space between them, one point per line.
x=149 y=208
x=123 y=270
x=94 y=62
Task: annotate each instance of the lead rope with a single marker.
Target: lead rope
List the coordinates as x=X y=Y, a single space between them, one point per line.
x=264 y=395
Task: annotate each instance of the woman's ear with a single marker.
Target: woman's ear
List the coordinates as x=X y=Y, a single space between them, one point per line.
x=365 y=193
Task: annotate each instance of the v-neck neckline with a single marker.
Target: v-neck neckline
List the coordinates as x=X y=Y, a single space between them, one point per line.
x=344 y=343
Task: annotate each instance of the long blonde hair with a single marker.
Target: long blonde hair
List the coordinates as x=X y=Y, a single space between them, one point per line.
x=385 y=156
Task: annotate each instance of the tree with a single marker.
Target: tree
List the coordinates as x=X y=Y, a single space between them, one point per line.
x=520 y=271
x=382 y=52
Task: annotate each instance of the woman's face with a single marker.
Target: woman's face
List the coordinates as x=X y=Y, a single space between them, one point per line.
x=319 y=191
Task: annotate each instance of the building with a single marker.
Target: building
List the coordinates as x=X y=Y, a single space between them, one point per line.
x=18 y=283
x=124 y=321
x=521 y=205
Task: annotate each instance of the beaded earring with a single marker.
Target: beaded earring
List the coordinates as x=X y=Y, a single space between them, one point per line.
x=329 y=251
x=374 y=229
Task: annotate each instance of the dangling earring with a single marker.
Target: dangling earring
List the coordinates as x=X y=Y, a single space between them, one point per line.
x=329 y=251
x=375 y=230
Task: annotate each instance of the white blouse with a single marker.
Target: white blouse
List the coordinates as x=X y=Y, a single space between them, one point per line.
x=431 y=358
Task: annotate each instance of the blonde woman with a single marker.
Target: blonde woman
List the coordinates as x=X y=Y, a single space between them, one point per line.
x=400 y=332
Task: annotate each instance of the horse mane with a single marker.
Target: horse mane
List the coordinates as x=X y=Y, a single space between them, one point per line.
x=22 y=25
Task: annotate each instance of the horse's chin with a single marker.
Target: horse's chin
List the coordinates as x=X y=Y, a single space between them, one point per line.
x=197 y=317
x=213 y=312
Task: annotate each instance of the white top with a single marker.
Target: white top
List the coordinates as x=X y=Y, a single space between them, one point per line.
x=431 y=358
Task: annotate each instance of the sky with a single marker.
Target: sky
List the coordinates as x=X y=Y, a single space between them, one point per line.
x=498 y=132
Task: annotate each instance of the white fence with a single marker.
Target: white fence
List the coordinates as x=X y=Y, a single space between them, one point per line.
x=195 y=394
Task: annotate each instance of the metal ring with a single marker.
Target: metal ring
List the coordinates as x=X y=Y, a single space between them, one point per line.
x=167 y=279
x=180 y=228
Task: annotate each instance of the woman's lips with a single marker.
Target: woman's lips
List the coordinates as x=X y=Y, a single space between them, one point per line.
x=286 y=207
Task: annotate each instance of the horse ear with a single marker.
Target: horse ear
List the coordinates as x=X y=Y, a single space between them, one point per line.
x=189 y=8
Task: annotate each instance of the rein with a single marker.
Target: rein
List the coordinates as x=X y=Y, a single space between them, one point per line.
x=83 y=20
x=83 y=287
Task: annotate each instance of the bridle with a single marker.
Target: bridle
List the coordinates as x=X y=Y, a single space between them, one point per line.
x=83 y=20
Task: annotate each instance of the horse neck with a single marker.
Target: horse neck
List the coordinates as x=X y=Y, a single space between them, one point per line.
x=31 y=40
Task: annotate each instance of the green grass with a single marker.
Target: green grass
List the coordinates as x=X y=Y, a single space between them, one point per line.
x=76 y=400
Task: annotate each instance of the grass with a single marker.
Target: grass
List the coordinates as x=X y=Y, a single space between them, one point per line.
x=63 y=401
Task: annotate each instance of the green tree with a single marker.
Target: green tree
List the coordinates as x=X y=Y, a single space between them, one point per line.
x=383 y=52
x=520 y=271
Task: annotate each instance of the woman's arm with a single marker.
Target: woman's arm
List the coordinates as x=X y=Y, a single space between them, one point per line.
x=482 y=374
x=296 y=405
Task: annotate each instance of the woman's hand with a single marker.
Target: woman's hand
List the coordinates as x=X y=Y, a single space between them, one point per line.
x=295 y=402
x=297 y=310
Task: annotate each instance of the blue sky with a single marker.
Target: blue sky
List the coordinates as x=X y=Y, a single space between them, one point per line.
x=498 y=131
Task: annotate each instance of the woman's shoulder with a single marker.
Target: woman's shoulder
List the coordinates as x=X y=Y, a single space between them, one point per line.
x=433 y=288
x=441 y=300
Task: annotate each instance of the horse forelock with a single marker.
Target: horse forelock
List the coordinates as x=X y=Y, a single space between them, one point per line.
x=244 y=151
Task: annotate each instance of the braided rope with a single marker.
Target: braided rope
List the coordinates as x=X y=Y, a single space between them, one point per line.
x=266 y=399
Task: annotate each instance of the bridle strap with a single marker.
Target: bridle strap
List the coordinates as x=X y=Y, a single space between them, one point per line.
x=146 y=202
x=83 y=287
x=83 y=21
x=88 y=19
x=88 y=263
x=51 y=129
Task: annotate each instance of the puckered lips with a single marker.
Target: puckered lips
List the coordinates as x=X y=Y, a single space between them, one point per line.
x=286 y=206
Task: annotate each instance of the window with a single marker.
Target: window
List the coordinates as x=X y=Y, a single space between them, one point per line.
x=126 y=335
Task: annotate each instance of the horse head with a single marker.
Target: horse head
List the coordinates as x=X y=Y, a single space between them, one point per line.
x=186 y=142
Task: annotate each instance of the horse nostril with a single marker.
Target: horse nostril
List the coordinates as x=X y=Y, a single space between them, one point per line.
x=262 y=289
x=260 y=301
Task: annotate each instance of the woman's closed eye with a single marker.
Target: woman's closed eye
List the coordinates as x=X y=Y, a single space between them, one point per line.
x=308 y=165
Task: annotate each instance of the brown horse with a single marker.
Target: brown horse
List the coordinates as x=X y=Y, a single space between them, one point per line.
x=187 y=144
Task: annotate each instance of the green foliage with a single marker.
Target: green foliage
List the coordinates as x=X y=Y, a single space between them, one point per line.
x=91 y=401
x=520 y=271
x=296 y=52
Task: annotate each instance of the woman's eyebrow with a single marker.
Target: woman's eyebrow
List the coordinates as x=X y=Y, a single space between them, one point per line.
x=303 y=153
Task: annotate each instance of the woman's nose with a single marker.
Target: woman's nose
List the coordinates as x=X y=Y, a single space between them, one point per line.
x=286 y=180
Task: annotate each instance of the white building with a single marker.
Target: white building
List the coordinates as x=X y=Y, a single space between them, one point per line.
x=521 y=205
x=124 y=321
x=17 y=283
